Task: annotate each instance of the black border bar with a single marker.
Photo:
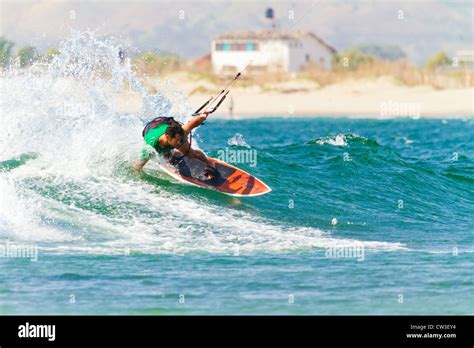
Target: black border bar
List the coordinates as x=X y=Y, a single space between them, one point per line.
x=248 y=330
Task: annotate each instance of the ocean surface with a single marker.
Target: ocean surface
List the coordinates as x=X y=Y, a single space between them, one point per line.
x=365 y=216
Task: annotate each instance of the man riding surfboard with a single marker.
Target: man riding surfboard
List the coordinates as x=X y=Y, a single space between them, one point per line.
x=163 y=134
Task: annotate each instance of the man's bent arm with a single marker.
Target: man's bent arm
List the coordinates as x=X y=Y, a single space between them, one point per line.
x=193 y=123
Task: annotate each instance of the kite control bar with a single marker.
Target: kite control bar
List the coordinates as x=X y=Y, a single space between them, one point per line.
x=219 y=98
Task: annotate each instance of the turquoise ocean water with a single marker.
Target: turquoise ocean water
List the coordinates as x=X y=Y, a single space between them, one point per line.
x=365 y=216
x=128 y=245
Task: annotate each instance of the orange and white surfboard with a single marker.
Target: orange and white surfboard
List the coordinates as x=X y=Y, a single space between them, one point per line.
x=230 y=180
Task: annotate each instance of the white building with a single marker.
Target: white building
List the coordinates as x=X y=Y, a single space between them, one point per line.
x=465 y=58
x=269 y=51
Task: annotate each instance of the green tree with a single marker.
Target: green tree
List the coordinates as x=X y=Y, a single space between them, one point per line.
x=439 y=59
x=27 y=55
x=387 y=52
x=351 y=59
x=150 y=57
x=5 y=51
x=50 y=53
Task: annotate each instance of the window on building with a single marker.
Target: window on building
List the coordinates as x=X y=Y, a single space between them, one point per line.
x=222 y=46
x=235 y=46
x=252 y=46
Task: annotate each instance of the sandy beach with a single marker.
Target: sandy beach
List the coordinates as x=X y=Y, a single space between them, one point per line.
x=378 y=98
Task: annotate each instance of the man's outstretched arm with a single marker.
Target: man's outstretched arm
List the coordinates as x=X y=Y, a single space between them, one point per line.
x=139 y=165
x=147 y=153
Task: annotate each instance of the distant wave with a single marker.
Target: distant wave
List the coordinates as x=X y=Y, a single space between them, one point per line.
x=344 y=140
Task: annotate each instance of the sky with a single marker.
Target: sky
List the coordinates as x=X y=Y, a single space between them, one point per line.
x=421 y=27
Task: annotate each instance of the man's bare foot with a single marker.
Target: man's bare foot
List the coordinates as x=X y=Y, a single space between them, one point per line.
x=210 y=173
